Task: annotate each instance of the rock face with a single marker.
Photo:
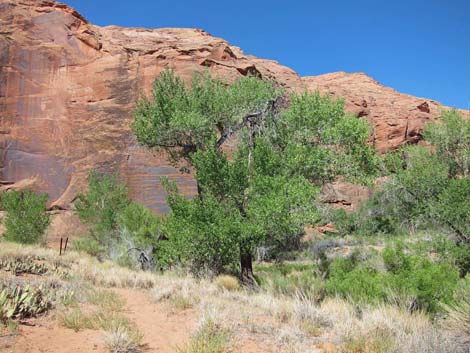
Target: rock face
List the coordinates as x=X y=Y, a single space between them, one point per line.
x=67 y=92
x=397 y=118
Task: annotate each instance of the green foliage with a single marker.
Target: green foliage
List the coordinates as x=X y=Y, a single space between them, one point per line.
x=359 y=284
x=451 y=138
x=420 y=196
x=422 y=282
x=182 y=120
x=90 y=246
x=321 y=142
x=456 y=254
x=428 y=188
x=453 y=207
x=120 y=228
x=395 y=259
x=103 y=202
x=26 y=219
x=201 y=235
x=140 y=223
x=427 y=282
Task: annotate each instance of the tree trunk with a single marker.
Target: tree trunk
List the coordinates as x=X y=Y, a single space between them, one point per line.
x=199 y=190
x=246 y=264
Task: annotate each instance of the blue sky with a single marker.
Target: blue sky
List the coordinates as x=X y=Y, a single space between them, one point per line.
x=420 y=47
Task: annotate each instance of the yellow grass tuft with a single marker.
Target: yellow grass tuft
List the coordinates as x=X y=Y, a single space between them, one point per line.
x=227 y=282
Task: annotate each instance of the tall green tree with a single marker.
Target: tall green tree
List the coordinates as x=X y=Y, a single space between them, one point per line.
x=260 y=188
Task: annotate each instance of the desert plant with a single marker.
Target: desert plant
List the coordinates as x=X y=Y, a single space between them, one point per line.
x=26 y=219
x=21 y=301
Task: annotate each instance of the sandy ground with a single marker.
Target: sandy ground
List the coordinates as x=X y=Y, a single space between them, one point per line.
x=163 y=330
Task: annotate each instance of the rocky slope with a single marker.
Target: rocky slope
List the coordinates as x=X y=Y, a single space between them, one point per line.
x=67 y=91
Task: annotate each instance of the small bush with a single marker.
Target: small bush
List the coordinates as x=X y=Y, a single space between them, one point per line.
x=26 y=219
x=76 y=320
x=360 y=284
x=227 y=282
x=210 y=338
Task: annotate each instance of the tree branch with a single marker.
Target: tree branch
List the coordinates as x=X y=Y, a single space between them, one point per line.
x=271 y=105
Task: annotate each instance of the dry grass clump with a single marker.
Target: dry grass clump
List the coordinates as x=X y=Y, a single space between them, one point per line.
x=120 y=340
x=227 y=282
x=210 y=337
x=457 y=322
x=384 y=329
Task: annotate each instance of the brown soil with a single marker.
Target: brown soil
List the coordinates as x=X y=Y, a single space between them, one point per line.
x=163 y=330
x=48 y=337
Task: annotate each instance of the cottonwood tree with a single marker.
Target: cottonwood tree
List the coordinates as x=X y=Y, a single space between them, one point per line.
x=261 y=190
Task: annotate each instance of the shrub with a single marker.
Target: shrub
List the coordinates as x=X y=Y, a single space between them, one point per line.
x=361 y=284
x=210 y=338
x=101 y=205
x=26 y=219
x=456 y=254
x=419 y=281
x=395 y=259
x=140 y=223
x=417 y=277
x=427 y=283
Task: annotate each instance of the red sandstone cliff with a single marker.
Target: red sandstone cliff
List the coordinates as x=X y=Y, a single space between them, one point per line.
x=67 y=90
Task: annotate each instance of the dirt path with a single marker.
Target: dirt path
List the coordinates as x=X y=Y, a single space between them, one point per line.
x=163 y=331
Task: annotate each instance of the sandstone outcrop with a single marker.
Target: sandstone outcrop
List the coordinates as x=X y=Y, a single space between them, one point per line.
x=68 y=88
x=396 y=118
